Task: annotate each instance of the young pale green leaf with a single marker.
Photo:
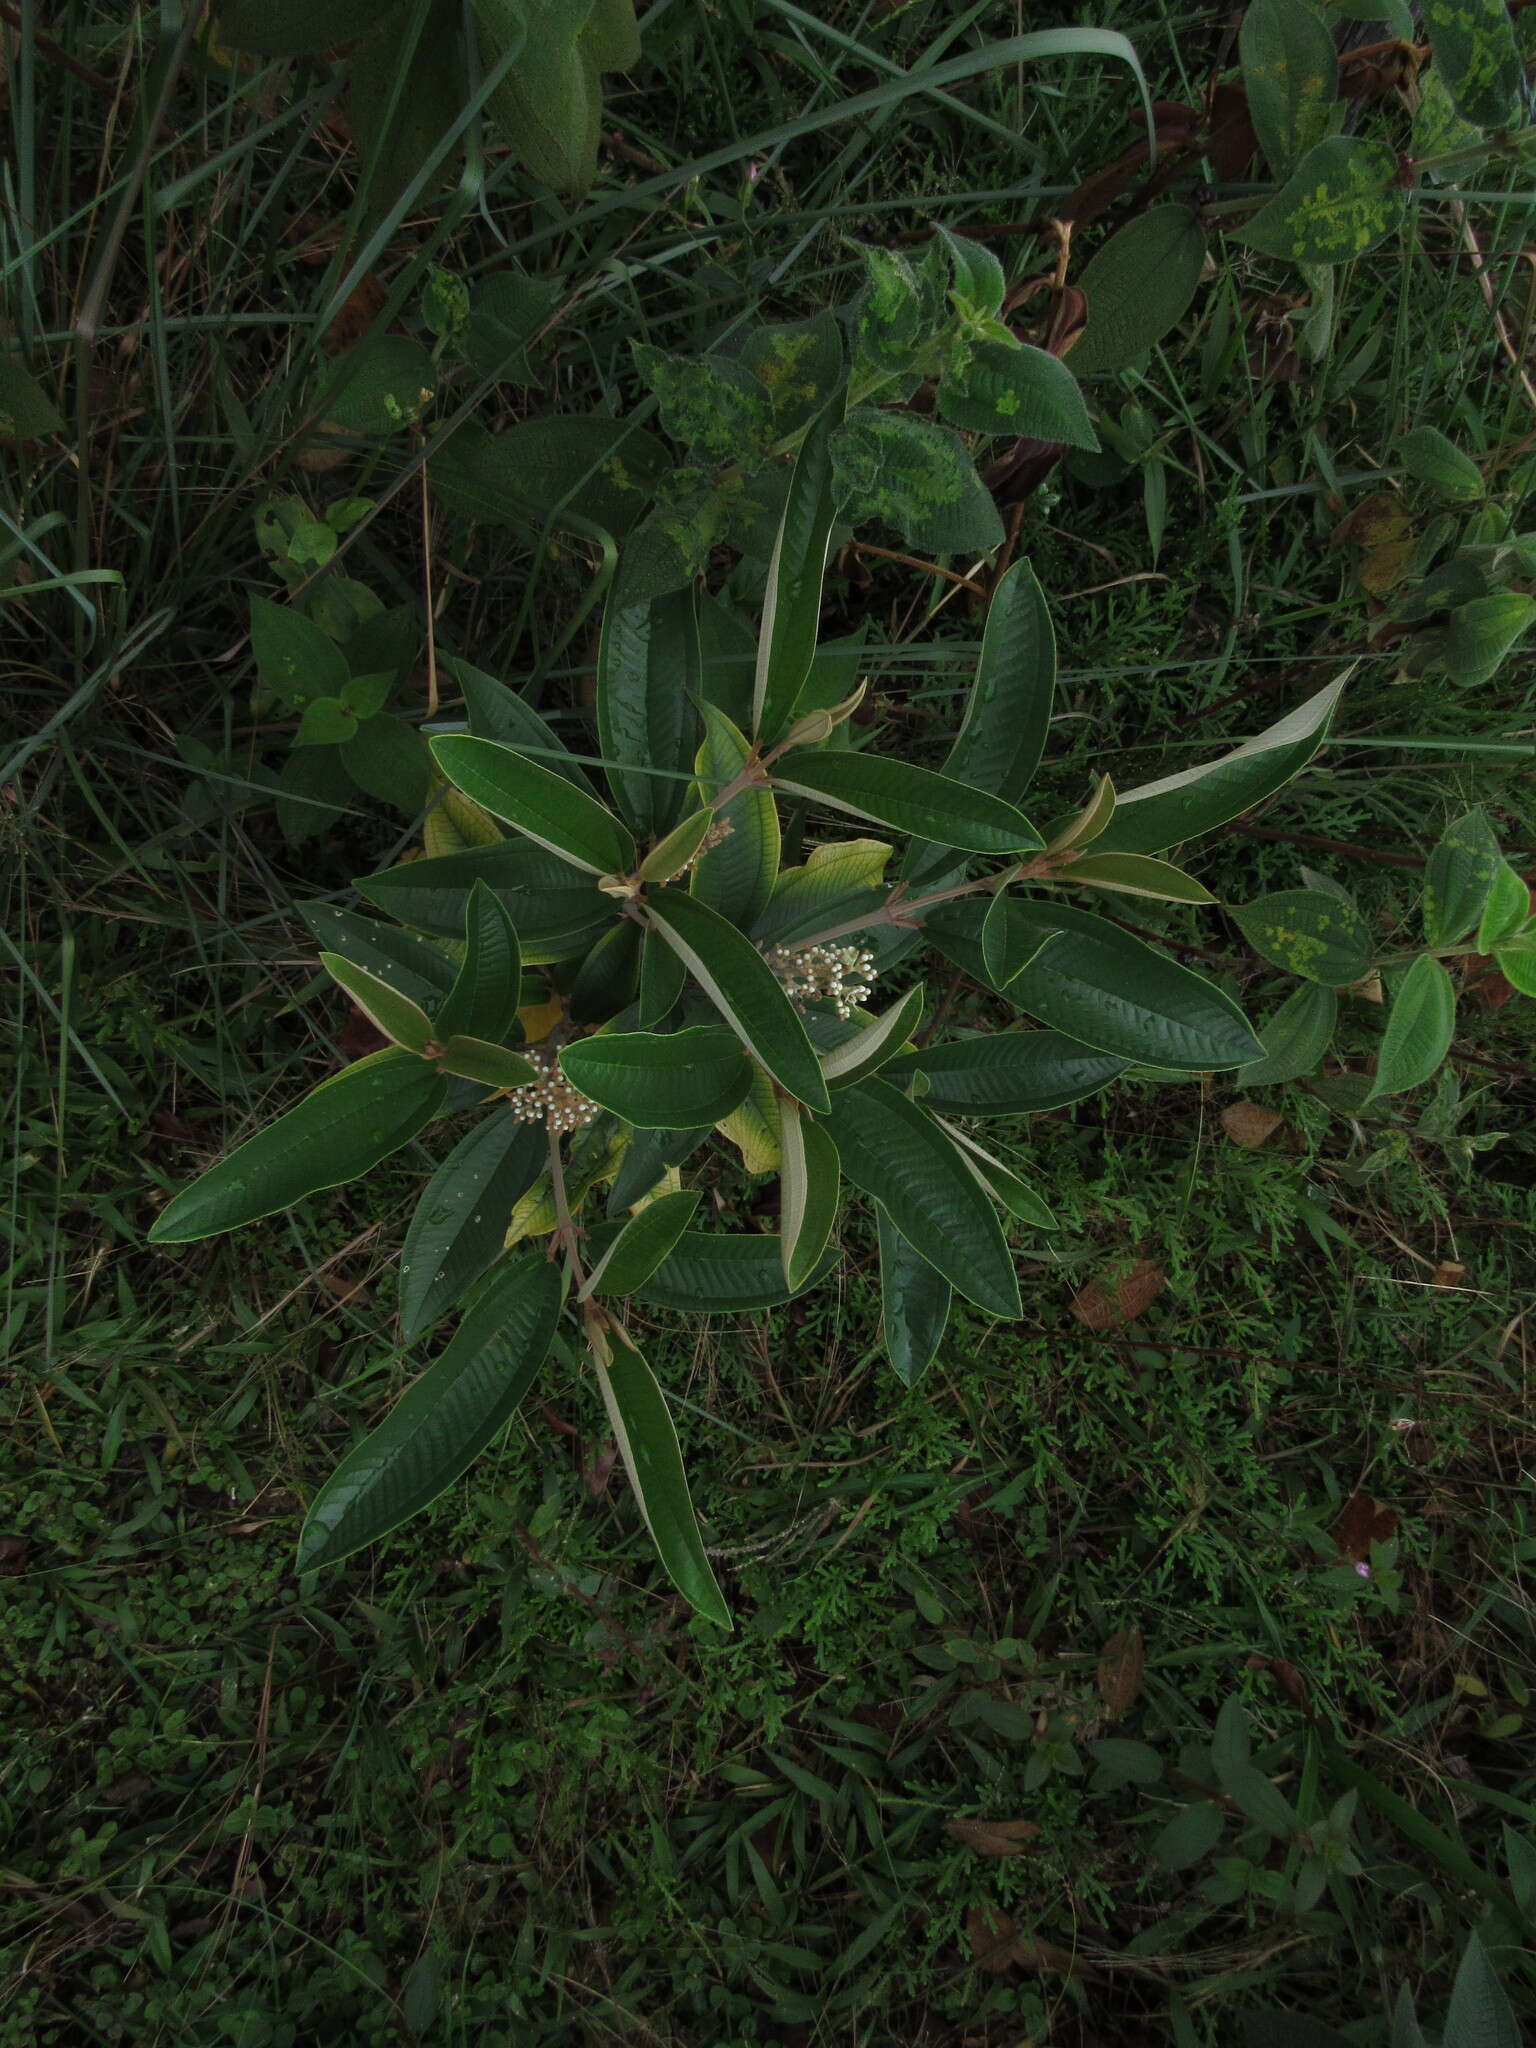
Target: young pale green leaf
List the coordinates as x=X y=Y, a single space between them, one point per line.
x=1016 y=390
x=810 y=1183
x=1008 y=711
x=736 y=876
x=442 y=1422
x=483 y=1001
x=558 y=912
x=707 y=1273
x=1138 y=287
x=1008 y=944
x=476 y=1059
x=1458 y=877
x=1506 y=908
x=406 y=961
x=915 y=1302
x=1090 y=823
x=914 y=476
x=1008 y=1073
x=868 y=1050
x=668 y=857
x=642 y=1242
x=1196 y=800
x=1136 y=874
x=978 y=276
x=537 y=802
x=1291 y=76
x=340 y=1129
x=1419 y=1028
x=1516 y=961
x=649 y=671
x=744 y=989
x=915 y=800
x=1002 y=1181
x=403 y=1022
x=1434 y=459
x=792 y=605
x=460 y=1222
x=1295 y=1038
x=839 y=880
x=642 y=1425
x=1477 y=59
x=897 y=1154
x=1310 y=934
x=295 y=660
x=1342 y=199
x=661 y=1081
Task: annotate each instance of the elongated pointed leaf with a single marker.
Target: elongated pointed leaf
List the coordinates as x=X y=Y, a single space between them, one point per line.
x=1136 y=874
x=744 y=989
x=460 y=1222
x=1008 y=944
x=609 y=976
x=810 y=1181
x=1002 y=1180
x=441 y=1423
x=537 y=802
x=649 y=671
x=401 y=1020
x=476 y=1059
x=1339 y=202
x=341 y=1129
x=408 y=962
x=1296 y=1037
x=1291 y=76
x=792 y=607
x=1020 y=391
x=710 y=1272
x=483 y=1001
x=915 y=1301
x=667 y=859
x=1480 y=2014
x=915 y=800
x=895 y=1153
x=1008 y=712
x=641 y=1243
x=661 y=1081
x=1420 y=1025
x=869 y=1049
x=663 y=977
x=1310 y=934
x=1457 y=878
x=1138 y=287
x=1008 y=1073
x=497 y=712
x=1196 y=800
x=1478 y=61
x=1505 y=910
x=648 y=1445
x=735 y=877
x=839 y=880
x=557 y=910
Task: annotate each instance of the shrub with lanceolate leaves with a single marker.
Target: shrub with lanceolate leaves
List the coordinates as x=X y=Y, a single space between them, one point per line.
x=634 y=966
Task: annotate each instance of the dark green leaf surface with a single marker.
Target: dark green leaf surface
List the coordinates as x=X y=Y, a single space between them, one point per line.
x=810 y=1183
x=672 y=1081
x=401 y=1020
x=341 y=1129
x=1457 y=878
x=558 y=913
x=874 y=1043
x=914 y=1301
x=441 y=1423
x=497 y=712
x=1478 y=61
x=1296 y=1037
x=537 y=802
x=737 y=876
x=1420 y=1025
x=484 y=999
x=295 y=660
x=648 y=673
x=1017 y=391
x=710 y=1271
x=913 y=476
x=1309 y=934
x=1138 y=287
x=475 y=1059
x=1291 y=76
x=1008 y=712
x=641 y=1243
x=460 y=1222
x=1341 y=200
x=915 y=800
x=1008 y=1073
x=792 y=606
x=405 y=960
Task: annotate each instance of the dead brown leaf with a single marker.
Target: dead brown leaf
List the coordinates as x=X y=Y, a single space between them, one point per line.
x=1105 y=1304
x=1374 y=522
x=1121 y=1669
x=996 y=1944
x=993 y=1837
x=1249 y=1124
x=1448 y=1273
x=1363 y=1520
x=354 y=316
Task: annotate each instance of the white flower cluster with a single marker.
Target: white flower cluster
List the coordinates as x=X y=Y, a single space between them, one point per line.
x=843 y=976
x=551 y=1100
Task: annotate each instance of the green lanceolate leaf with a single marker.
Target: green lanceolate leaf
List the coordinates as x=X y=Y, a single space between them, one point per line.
x=341 y=1129
x=441 y=1423
x=658 y=1081
x=1002 y=1181
x=548 y=105
x=792 y=605
x=1136 y=874
x=295 y=660
x=1434 y=459
x=1296 y=1037
x=1196 y=800
x=397 y=130
x=1291 y=77
x=642 y=1242
x=608 y=977
x=400 y=1020
x=841 y=879
x=409 y=963
x=1419 y=1028
x=810 y=1182
x=1018 y=391
x=558 y=912
x=1480 y=2014
x=1138 y=287
x=1457 y=878
x=708 y=1272
x=476 y=1059
x=663 y=978
x=649 y=670
x=736 y=876
x=1476 y=58
x=537 y=802
x=1008 y=712
x=915 y=1301
x=670 y=856
x=1008 y=943
x=642 y=1423
x=1008 y=1073
x=483 y=1001
x=537 y=473
x=1310 y=934
x=868 y=1050
x=460 y=1222
x=744 y=989
x=895 y=1153
x=497 y=712
x=915 y=800
x=1341 y=200
x=389 y=761
x=913 y=476
x=1505 y=909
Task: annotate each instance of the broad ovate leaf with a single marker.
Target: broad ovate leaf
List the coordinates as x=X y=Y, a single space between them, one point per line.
x=1295 y=1037
x=1419 y=1028
x=1457 y=878
x=1309 y=933
x=1019 y=391
x=1138 y=287
x=1342 y=199
x=661 y=1081
x=1291 y=77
